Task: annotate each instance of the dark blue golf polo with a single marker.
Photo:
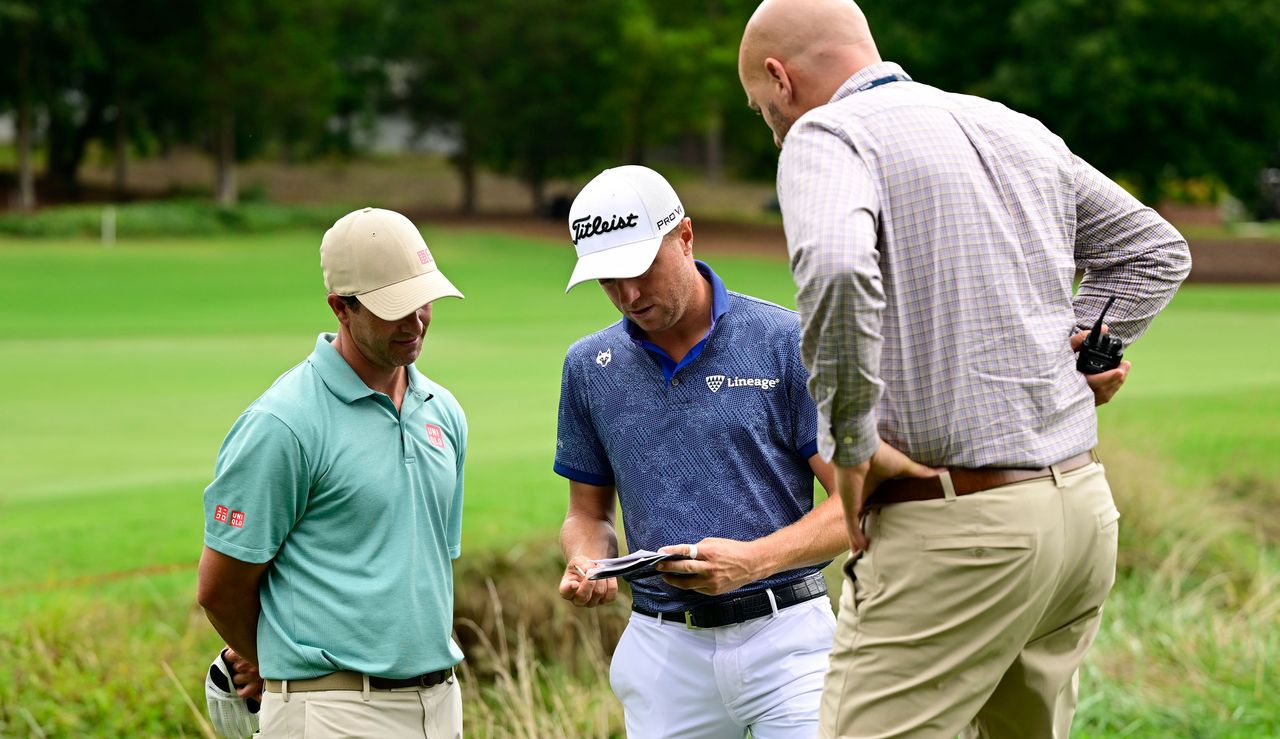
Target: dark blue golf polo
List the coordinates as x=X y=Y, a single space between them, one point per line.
x=715 y=445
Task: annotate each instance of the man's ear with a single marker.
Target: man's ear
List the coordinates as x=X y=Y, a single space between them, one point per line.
x=779 y=78
x=339 y=308
x=686 y=236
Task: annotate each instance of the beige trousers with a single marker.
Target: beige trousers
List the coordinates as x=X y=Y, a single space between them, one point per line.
x=973 y=614
x=423 y=713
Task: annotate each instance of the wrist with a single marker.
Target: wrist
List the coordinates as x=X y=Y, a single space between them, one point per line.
x=762 y=559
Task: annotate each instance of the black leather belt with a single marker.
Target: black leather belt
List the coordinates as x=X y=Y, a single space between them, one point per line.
x=745 y=607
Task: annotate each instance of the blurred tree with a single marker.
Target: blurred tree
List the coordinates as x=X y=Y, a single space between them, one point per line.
x=265 y=71
x=661 y=86
x=446 y=50
x=1152 y=91
x=362 y=43
x=141 y=43
x=525 y=85
x=19 y=24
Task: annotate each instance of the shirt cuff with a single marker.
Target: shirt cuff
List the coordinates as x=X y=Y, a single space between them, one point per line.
x=235 y=551
x=580 y=476
x=851 y=444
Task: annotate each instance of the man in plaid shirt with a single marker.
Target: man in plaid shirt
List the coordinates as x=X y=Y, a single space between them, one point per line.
x=934 y=239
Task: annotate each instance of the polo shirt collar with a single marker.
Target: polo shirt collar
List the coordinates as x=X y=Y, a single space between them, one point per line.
x=867 y=75
x=719 y=302
x=337 y=375
x=343 y=381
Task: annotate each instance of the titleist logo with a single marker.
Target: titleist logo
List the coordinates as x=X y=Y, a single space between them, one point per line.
x=588 y=226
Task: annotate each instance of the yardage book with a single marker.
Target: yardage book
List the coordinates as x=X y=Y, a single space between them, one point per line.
x=636 y=564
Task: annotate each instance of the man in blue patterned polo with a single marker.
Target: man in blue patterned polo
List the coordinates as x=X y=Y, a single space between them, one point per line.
x=692 y=410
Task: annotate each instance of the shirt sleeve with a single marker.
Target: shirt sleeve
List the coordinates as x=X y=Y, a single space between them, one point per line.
x=579 y=454
x=259 y=491
x=1125 y=249
x=455 y=510
x=830 y=210
x=804 y=414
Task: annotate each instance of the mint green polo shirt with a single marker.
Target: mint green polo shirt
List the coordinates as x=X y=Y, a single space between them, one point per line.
x=358 y=509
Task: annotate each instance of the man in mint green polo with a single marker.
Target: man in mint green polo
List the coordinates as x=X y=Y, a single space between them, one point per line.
x=336 y=511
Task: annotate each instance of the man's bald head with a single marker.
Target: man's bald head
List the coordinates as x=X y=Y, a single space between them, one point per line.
x=796 y=53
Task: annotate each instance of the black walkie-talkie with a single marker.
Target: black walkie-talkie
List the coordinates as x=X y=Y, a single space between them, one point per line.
x=1100 y=352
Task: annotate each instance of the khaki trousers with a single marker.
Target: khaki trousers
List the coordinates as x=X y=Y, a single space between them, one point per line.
x=423 y=713
x=973 y=614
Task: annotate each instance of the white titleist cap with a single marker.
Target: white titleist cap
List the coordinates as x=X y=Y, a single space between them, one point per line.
x=617 y=223
x=379 y=256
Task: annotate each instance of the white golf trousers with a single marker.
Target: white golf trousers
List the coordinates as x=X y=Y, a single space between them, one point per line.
x=764 y=675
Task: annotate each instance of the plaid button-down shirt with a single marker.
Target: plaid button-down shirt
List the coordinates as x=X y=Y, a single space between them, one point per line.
x=934 y=239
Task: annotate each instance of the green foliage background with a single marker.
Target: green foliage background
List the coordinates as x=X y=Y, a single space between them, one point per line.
x=1156 y=93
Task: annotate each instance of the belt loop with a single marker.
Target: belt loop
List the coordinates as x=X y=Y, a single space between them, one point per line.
x=659 y=619
x=364 y=687
x=284 y=690
x=1097 y=458
x=773 y=602
x=1057 y=476
x=948 y=488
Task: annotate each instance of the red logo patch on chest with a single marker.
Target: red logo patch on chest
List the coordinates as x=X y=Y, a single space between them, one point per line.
x=435 y=435
x=220 y=514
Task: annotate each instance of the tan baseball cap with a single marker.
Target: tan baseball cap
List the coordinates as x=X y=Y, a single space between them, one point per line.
x=379 y=256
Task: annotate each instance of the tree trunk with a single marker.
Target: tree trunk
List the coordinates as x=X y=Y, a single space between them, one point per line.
x=636 y=150
x=68 y=140
x=24 y=134
x=466 y=164
x=121 y=182
x=538 y=194
x=226 y=191
x=715 y=146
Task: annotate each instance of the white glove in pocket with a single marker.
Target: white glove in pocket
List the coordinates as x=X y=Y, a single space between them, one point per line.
x=229 y=713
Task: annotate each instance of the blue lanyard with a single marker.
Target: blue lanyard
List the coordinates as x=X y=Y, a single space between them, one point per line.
x=878 y=82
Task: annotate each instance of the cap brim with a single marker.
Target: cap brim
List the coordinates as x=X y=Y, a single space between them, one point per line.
x=618 y=263
x=398 y=300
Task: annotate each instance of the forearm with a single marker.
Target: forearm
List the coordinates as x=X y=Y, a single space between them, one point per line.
x=1127 y=250
x=814 y=539
x=588 y=536
x=228 y=592
x=236 y=621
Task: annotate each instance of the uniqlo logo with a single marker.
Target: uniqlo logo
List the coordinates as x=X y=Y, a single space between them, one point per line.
x=435 y=435
x=220 y=514
x=237 y=519
x=423 y=256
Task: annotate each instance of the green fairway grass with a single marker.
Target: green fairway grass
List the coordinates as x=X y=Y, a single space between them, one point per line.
x=124 y=367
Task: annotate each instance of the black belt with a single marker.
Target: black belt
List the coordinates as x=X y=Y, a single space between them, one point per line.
x=745 y=607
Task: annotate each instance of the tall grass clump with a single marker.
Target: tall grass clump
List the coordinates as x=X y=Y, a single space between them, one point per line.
x=540 y=665
x=1190 y=639
x=92 y=667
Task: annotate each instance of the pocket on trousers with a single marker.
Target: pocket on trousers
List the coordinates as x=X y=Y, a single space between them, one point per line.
x=1109 y=520
x=979 y=543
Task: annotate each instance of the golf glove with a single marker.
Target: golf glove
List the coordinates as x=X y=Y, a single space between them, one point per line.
x=232 y=716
